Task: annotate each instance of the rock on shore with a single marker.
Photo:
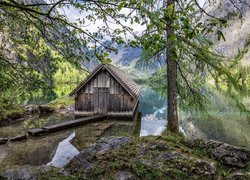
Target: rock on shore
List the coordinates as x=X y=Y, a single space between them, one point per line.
x=126 y=158
x=35 y=109
x=222 y=152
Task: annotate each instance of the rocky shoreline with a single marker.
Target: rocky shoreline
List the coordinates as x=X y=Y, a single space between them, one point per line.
x=12 y=118
x=166 y=157
x=34 y=109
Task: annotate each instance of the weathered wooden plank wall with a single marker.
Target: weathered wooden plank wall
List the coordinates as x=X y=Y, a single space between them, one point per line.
x=103 y=93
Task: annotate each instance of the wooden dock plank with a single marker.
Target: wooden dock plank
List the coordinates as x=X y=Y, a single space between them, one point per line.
x=65 y=125
x=73 y=123
x=36 y=131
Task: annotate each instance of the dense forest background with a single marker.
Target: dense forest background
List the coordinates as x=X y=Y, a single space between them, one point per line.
x=34 y=72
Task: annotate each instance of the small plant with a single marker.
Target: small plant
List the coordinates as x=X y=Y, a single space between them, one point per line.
x=248 y=166
x=223 y=170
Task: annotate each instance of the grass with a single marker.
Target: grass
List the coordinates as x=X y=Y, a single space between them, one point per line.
x=247 y=41
x=53 y=173
x=223 y=170
x=143 y=158
x=139 y=158
x=248 y=166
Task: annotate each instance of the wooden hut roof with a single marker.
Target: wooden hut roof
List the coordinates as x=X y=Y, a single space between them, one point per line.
x=118 y=74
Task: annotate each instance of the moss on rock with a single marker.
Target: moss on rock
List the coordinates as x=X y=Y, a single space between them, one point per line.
x=165 y=157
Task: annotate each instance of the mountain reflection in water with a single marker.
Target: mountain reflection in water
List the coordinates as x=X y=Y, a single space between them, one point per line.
x=223 y=124
x=151 y=125
x=59 y=148
x=64 y=153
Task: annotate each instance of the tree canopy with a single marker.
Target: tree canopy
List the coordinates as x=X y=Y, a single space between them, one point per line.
x=39 y=33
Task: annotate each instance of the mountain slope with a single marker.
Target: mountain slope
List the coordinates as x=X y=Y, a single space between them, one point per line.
x=237 y=32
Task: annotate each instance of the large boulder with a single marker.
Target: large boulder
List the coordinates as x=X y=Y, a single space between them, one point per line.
x=239 y=175
x=84 y=162
x=203 y=167
x=230 y=155
x=222 y=152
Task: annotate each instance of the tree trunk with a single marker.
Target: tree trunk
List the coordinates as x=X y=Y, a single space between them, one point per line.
x=172 y=116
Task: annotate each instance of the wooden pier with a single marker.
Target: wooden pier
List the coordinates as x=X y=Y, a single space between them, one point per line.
x=65 y=125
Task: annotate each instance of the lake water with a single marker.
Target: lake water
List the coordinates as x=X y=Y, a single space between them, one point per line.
x=58 y=148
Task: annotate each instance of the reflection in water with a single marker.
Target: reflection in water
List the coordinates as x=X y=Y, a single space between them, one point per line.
x=33 y=151
x=64 y=153
x=230 y=127
x=35 y=121
x=58 y=148
x=151 y=125
x=153 y=109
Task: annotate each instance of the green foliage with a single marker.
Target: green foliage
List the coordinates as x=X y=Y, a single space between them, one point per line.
x=248 y=166
x=247 y=41
x=53 y=173
x=142 y=158
x=145 y=172
x=66 y=78
x=189 y=46
x=8 y=108
x=241 y=74
x=223 y=170
x=35 y=43
x=63 y=81
x=37 y=38
x=158 y=81
x=172 y=137
x=16 y=112
x=61 y=102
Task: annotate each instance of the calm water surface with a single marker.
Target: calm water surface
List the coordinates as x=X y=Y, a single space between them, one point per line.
x=58 y=148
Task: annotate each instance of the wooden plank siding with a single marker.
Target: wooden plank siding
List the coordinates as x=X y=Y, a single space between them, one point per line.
x=103 y=94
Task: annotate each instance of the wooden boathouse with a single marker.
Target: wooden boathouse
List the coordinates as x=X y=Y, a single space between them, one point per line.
x=106 y=91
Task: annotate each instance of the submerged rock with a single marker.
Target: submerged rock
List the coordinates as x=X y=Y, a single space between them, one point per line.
x=3 y=140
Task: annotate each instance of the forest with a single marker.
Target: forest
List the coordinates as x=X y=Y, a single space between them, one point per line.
x=124 y=89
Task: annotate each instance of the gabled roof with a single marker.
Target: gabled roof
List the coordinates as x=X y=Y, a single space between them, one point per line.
x=128 y=84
